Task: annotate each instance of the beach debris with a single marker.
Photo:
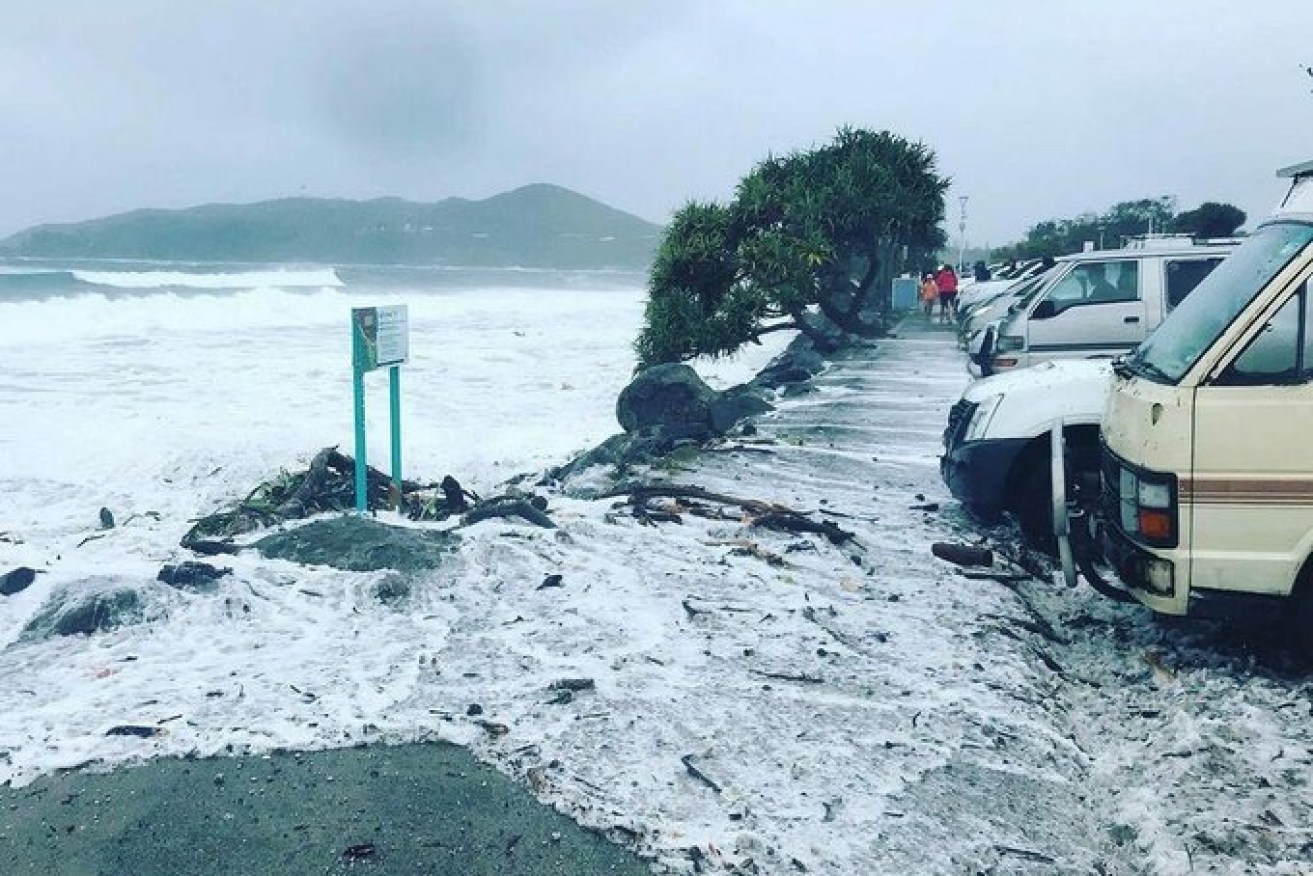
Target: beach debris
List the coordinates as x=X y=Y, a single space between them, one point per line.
x=530 y=508
x=493 y=728
x=1162 y=673
x=800 y=677
x=140 y=731
x=328 y=485
x=553 y=580
x=359 y=852
x=753 y=512
x=191 y=575
x=742 y=547
x=695 y=772
x=16 y=580
x=574 y=684
x=106 y=518
x=963 y=554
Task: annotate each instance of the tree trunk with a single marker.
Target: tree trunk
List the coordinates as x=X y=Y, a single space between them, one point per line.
x=823 y=344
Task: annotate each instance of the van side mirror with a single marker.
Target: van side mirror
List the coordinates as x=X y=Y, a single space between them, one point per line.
x=1044 y=310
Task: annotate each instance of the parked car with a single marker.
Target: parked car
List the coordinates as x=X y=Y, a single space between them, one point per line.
x=1001 y=281
x=996 y=446
x=1097 y=304
x=975 y=317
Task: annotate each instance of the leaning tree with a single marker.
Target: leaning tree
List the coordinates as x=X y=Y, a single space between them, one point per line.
x=810 y=242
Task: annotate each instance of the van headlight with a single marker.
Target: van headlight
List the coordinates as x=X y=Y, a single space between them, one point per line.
x=1146 y=506
x=980 y=420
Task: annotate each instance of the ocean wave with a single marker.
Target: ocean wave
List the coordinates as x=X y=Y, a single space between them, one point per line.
x=281 y=278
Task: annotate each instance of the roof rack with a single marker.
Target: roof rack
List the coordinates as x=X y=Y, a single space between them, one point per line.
x=1295 y=171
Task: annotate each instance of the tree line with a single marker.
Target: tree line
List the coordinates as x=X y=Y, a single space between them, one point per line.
x=1108 y=230
x=812 y=240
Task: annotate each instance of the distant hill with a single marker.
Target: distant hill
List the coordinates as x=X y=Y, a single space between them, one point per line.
x=538 y=226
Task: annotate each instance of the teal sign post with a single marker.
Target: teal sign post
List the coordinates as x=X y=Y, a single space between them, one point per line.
x=380 y=338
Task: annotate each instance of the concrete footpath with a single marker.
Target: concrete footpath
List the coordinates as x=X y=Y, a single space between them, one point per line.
x=425 y=808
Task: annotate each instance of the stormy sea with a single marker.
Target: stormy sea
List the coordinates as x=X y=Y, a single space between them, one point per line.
x=165 y=392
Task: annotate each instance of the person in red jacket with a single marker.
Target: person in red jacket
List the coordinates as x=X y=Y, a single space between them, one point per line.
x=946 y=280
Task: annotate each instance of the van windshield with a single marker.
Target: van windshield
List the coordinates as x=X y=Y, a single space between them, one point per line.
x=1196 y=323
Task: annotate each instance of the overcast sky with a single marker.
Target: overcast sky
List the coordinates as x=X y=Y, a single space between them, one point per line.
x=1036 y=108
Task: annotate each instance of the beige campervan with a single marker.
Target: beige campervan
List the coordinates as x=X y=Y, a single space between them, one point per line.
x=1207 y=474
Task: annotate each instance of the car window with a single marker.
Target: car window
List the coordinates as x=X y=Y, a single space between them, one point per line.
x=1097 y=283
x=1184 y=274
x=1282 y=352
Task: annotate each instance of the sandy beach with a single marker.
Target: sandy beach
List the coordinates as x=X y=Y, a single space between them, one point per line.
x=424 y=808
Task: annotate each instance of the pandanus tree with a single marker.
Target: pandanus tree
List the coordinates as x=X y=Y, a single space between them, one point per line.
x=811 y=241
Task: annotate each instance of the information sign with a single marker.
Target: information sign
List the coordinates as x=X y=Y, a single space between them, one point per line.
x=382 y=336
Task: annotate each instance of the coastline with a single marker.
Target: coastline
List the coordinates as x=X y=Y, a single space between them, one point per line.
x=419 y=808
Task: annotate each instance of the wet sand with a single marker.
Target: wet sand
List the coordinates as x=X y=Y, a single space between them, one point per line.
x=413 y=809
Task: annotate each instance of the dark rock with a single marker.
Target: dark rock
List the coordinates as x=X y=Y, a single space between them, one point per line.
x=392 y=590
x=733 y=405
x=191 y=575
x=359 y=544
x=474 y=709
x=106 y=518
x=553 y=580
x=16 y=580
x=72 y=614
x=799 y=363
x=671 y=396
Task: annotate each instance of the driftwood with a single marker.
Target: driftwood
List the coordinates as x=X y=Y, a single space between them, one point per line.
x=963 y=554
x=509 y=506
x=687 y=761
x=768 y=515
x=329 y=485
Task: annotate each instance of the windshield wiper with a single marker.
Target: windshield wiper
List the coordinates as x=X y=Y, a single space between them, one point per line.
x=1127 y=366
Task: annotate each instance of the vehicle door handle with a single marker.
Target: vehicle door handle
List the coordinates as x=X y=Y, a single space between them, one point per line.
x=1131 y=319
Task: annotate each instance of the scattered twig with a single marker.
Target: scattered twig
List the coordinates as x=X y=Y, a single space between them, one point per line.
x=802 y=678
x=687 y=761
x=769 y=515
x=1028 y=854
x=1039 y=627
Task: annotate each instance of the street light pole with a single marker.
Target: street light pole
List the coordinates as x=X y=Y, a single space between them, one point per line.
x=962 y=231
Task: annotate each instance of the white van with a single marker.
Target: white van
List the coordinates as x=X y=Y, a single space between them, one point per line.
x=1098 y=304
x=1207 y=503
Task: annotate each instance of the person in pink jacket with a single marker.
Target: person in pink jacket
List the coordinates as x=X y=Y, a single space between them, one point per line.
x=946 y=280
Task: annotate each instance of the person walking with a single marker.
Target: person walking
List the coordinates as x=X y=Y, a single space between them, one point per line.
x=929 y=294
x=946 y=283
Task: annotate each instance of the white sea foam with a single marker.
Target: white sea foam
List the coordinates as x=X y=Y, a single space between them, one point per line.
x=282 y=278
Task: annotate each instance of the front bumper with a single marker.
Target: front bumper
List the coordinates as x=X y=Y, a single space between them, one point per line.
x=1130 y=561
x=976 y=473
